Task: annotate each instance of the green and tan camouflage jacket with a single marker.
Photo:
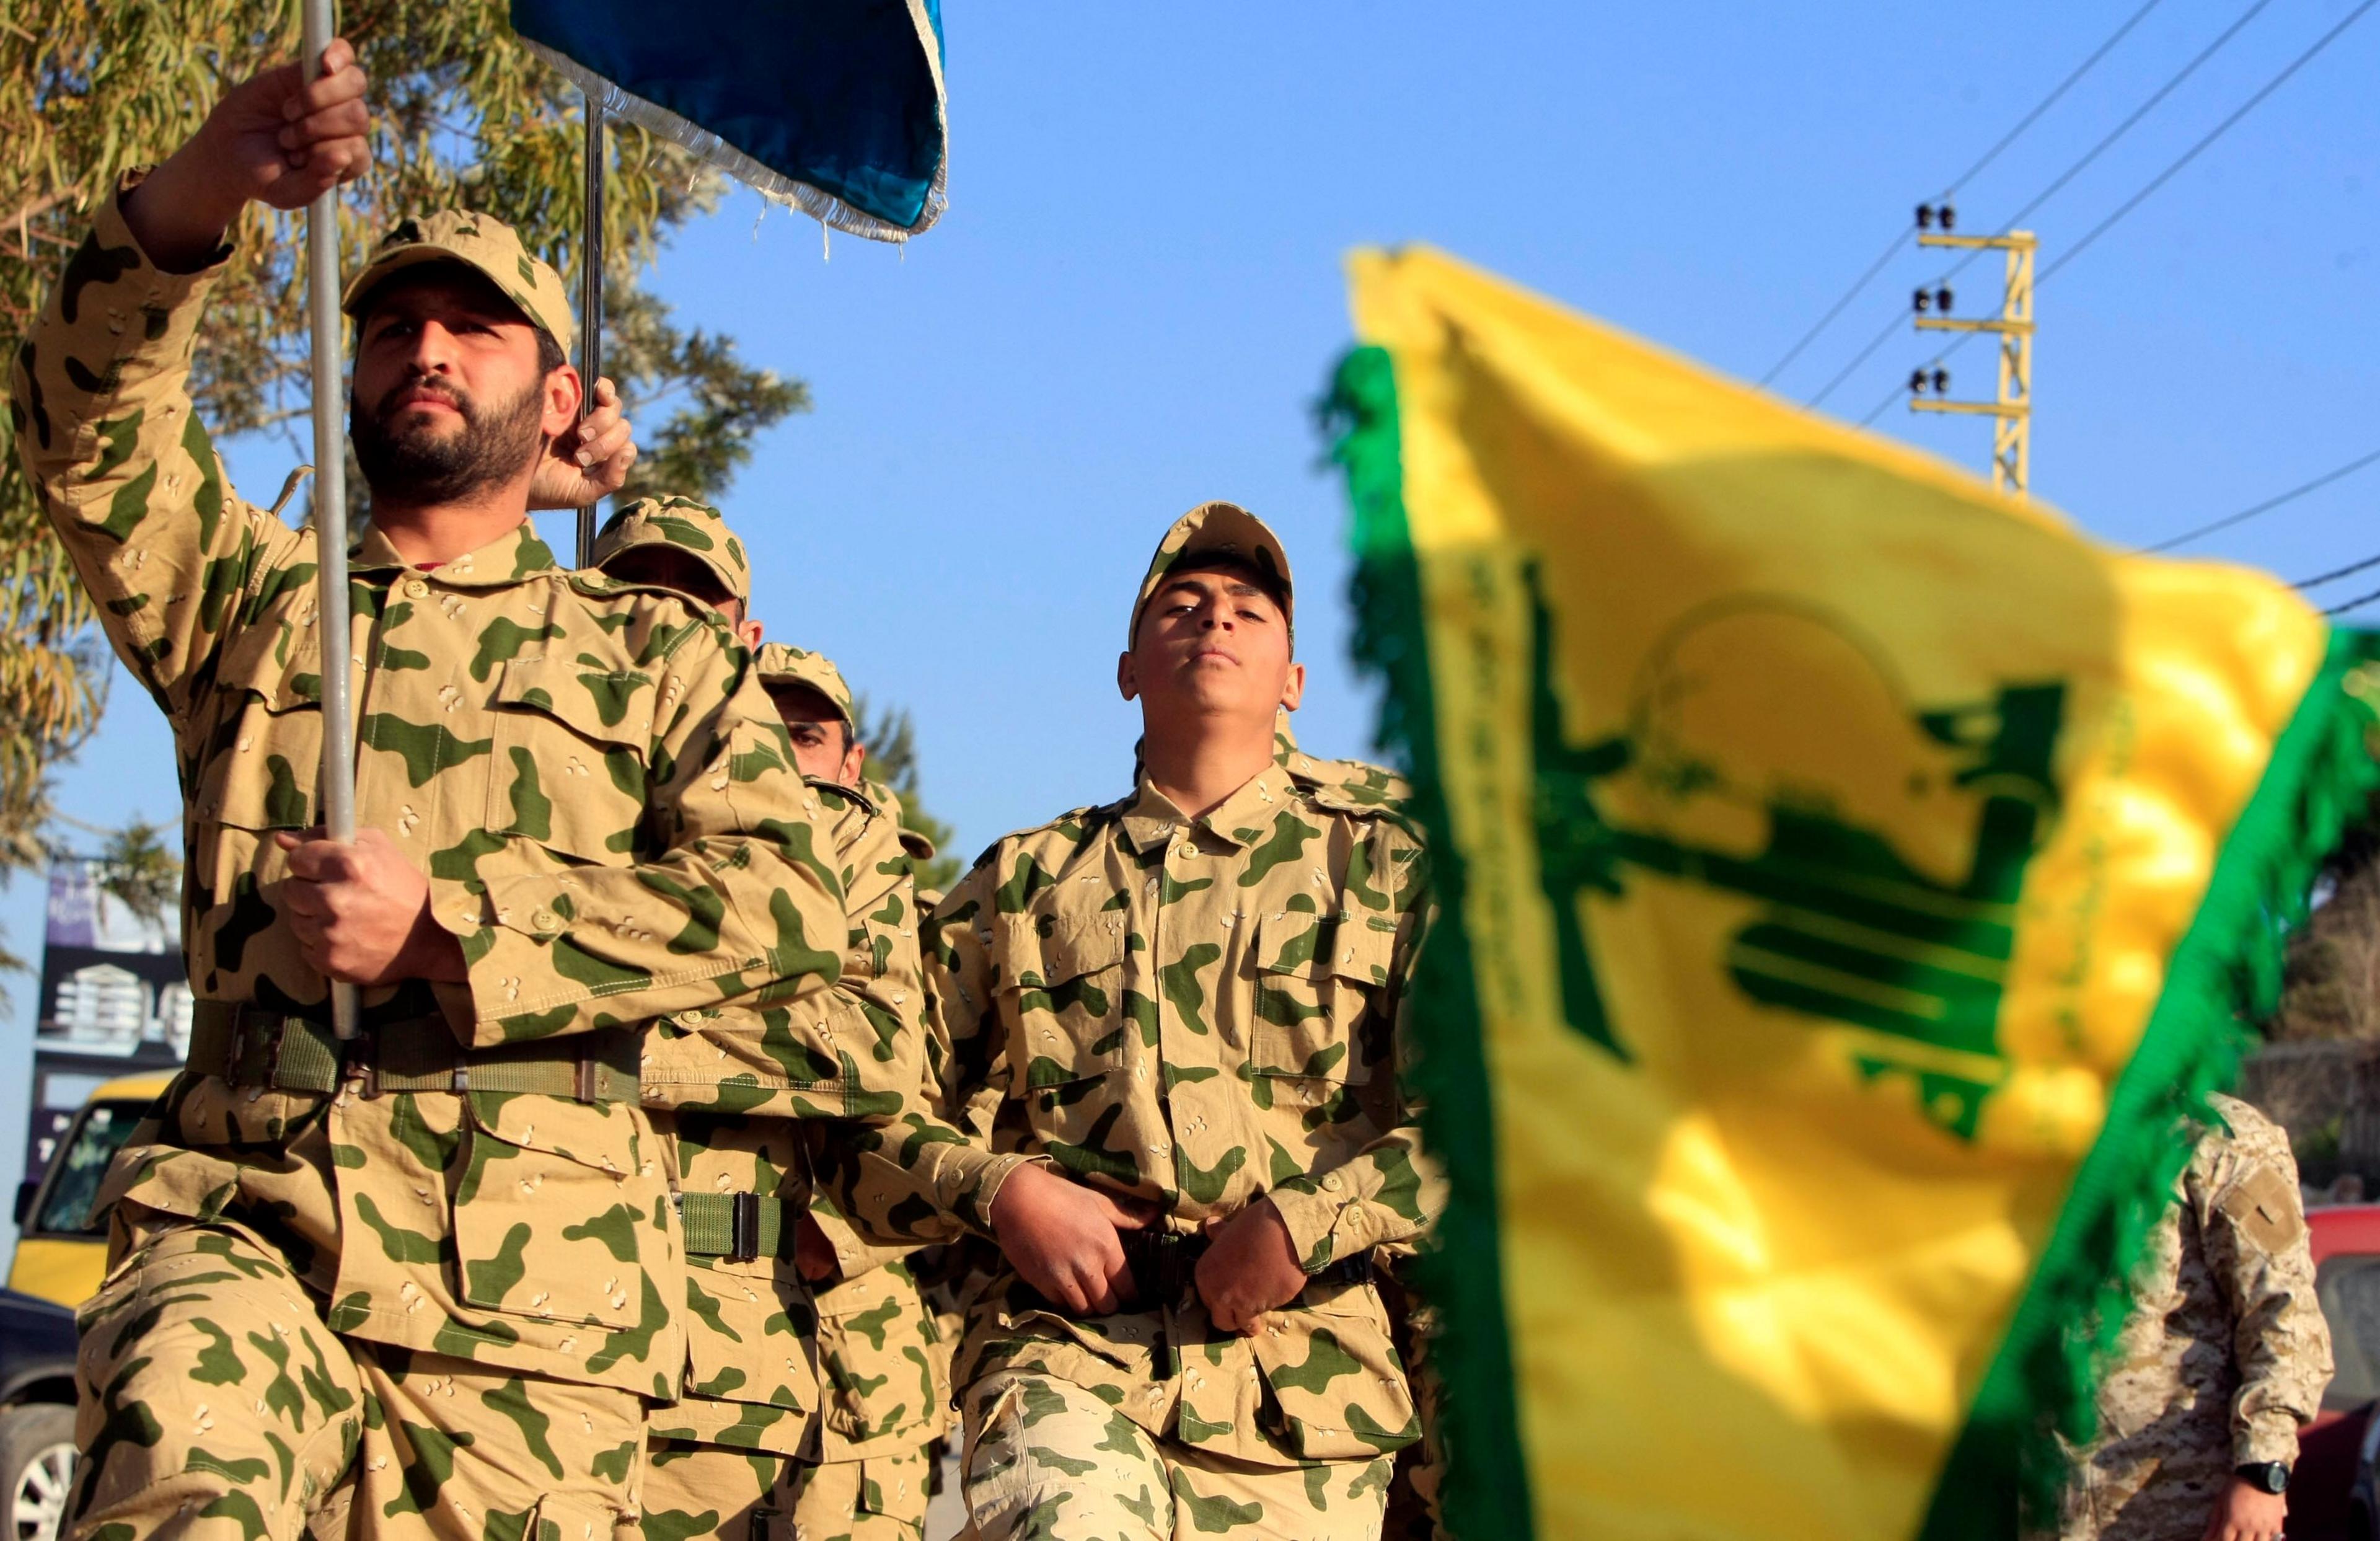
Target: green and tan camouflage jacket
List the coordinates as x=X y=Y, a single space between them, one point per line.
x=604 y=802
x=1196 y=1013
x=2224 y=1353
x=855 y=1369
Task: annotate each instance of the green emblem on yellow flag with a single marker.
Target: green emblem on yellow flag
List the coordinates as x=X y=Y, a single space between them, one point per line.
x=1851 y=878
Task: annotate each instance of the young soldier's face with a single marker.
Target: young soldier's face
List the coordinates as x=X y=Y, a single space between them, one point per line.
x=1212 y=643
x=448 y=396
x=823 y=745
x=668 y=568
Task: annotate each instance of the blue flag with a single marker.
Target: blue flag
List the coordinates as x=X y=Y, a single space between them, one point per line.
x=835 y=105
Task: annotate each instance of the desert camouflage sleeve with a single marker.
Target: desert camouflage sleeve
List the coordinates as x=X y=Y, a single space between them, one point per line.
x=874 y=1016
x=878 y=1010
x=2245 y=1189
x=1389 y=1192
x=933 y=1172
x=99 y=401
x=742 y=905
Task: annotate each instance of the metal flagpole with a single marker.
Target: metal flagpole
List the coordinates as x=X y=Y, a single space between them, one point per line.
x=590 y=296
x=331 y=511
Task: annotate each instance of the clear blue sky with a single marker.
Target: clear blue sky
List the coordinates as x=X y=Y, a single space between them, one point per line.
x=1135 y=295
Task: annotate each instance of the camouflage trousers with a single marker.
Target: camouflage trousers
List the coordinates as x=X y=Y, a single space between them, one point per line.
x=1048 y=1460
x=212 y=1403
x=737 y=1495
x=1416 y=1496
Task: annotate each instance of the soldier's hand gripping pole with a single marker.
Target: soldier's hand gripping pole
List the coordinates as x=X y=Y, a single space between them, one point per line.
x=338 y=778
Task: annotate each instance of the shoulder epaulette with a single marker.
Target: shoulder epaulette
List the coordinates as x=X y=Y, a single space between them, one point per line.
x=1090 y=815
x=1349 y=785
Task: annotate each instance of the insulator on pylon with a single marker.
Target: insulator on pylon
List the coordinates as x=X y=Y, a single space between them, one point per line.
x=1926 y=216
x=1920 y=299
x=1942 y=299
x=1948 y=215
x=1941 y=380
x=1917 y=382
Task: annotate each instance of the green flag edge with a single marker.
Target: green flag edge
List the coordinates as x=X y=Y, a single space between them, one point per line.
x=1461 y=1272
x=2224 y=976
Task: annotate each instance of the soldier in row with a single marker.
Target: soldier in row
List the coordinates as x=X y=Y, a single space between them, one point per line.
x=2222 y=1355
x=428 y=1280
x=615 y=949
x=814 y=1378
x=1167 y=1035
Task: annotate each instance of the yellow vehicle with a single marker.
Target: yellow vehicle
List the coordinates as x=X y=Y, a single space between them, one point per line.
x=61 y=1246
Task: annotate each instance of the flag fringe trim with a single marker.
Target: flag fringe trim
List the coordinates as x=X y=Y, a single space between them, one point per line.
x=1486 y=1491
x=774 y=186
x=2224 y=977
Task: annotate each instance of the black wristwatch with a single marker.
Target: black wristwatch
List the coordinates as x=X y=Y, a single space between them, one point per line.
x=2269 y=1477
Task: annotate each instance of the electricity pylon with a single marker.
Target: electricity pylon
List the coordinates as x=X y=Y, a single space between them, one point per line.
x=2012 y=411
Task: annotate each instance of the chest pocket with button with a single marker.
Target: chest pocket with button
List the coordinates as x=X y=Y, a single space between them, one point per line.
x=569 y=749
x=1318 y=979
x=1071 y=1016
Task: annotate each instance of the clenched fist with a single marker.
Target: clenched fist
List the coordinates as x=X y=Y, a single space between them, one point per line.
x=273 y=139
x=591 y=461
x=361 y=911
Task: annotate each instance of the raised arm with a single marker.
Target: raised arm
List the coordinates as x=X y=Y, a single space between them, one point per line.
x=127 y=473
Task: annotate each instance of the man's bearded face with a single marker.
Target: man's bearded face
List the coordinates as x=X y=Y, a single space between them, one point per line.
x=413 y=449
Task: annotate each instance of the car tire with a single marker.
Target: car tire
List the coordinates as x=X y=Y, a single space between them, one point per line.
x=37 y=1468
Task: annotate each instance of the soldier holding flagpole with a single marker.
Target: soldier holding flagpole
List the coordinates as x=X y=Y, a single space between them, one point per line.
x=425 y=1276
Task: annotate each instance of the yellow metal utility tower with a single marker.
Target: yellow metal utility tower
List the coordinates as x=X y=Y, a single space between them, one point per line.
x=2012 y=411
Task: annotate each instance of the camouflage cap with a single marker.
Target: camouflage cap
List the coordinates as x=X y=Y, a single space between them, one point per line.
x=783 y=664
x=478 y=241
x=1223 y=528
x=682 y=524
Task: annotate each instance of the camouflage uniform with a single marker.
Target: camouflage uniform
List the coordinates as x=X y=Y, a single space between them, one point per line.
x=800 y=1405
x=681 y=527
x=446 y=1245
x=1196 y=1013
x=2225 y=1352
x=1416 y=1512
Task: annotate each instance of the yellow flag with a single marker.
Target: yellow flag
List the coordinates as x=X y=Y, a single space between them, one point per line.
x=1851 y=876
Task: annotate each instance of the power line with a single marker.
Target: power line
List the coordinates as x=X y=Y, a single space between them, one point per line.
x=2353 y=604
x=1891 y=330
x=2051 y=99
x=2216 y=133
x=2319 y=579
x=2159 y=180
x=1860 y=284
x=2267 y=506
x=1859 y=287
x=2056 y=184
x=2139 y=112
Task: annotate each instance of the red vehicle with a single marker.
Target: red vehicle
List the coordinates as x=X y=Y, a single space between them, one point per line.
x=2331 y=1493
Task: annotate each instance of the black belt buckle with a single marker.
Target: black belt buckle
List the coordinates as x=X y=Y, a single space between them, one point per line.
x=743 y=1225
